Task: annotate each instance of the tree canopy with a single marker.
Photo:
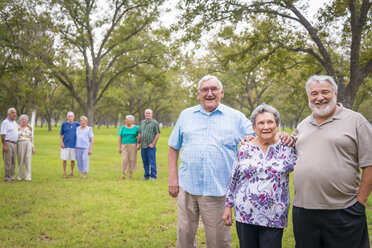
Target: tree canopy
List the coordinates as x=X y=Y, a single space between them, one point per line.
x=106 y=59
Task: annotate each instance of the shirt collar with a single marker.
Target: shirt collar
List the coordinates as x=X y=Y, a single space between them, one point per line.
x=220 y=108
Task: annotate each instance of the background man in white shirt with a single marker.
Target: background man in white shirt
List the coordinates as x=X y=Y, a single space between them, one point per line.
x=9 y=138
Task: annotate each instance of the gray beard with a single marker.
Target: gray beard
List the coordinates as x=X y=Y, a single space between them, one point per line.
x=324 y=111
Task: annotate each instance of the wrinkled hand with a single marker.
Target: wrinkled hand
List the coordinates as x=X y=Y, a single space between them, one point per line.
x=151 y=145
x=90 y=152
x=62 y=145
x=227 y=217
x=138 y=146
x=173 y=187
x=364 y=203
x=5 y=148
x=287 y=139
x=246 y=139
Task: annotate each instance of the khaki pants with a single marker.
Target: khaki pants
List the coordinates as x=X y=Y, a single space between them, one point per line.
x=10 y=161
x=211 y=209
x=129 y=153
x=24 y=157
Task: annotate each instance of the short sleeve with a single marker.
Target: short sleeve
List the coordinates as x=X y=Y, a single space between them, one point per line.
x=90 y=133
x=4 y=128
x=156 y=127
x=120 y=134
x=175 y=139
x=246 y=126
x=364 y=134
x=61 y=131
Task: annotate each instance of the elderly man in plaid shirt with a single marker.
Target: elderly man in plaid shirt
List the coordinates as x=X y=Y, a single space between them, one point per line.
x=209 y=134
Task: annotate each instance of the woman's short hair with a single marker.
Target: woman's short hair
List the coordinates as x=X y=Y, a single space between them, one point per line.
x=262 y=109
x=84 y=118
x=130 y=117
x=24 y=116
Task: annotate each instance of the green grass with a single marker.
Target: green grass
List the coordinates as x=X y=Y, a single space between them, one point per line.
x=100 y=211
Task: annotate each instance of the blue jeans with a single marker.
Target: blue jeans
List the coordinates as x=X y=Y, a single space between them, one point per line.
x=149 y=158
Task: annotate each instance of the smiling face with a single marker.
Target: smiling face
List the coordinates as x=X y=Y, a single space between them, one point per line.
x=128 y=122
x=322 y=99
x=83 y=122
x=23 y=121
x=210 y=94
x=266 y=127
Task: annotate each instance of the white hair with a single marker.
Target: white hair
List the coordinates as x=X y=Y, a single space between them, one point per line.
x=70 y=112
x=148 y=110
x=262 y=109
x=206 y=78
x=319 y=79
x=23 y=116
x=130 y=117
x=11 y=109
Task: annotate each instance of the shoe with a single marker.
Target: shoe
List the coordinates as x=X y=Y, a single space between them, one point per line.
x=144 y=178
x=153 y=179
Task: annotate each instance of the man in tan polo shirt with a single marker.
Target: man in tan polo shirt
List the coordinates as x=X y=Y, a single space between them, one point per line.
x=333 y=144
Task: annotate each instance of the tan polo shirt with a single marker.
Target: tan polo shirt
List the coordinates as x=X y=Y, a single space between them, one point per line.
x=326 y=175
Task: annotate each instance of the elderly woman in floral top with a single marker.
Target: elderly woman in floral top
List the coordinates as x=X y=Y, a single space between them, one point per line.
x=258 y=188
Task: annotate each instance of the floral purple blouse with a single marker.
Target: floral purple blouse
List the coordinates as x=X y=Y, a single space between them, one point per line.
x=258 y=188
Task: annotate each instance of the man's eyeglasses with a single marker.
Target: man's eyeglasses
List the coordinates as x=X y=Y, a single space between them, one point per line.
x=214 y=90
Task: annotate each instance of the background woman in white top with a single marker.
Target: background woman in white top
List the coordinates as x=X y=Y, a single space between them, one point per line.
x=84 y=145
x=25 y=147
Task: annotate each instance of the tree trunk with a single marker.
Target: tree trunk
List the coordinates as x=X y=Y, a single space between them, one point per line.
x=56 y=118
x=89 y=112
x=49 y=125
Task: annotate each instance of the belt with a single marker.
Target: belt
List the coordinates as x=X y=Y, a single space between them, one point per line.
x=14 y=142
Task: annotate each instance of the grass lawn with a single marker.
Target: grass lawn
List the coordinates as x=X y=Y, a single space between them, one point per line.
x=99 y=211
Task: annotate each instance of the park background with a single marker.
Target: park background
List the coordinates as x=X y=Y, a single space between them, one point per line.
x=109 y=58
x=101 y=210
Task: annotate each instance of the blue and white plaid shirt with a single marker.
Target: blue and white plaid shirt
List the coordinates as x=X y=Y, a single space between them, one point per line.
x=209 y=144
